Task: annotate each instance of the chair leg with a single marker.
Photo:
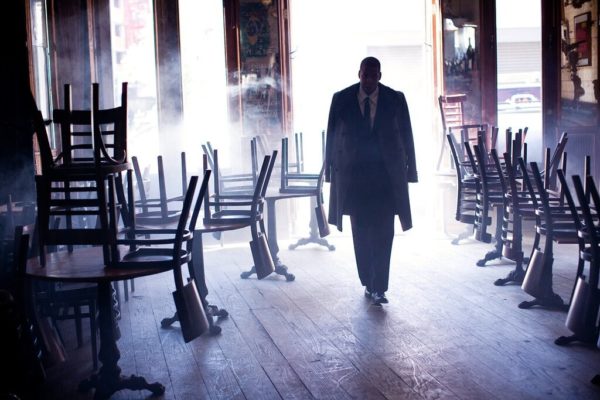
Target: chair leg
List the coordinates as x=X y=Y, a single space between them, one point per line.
x=77 y=312
x=467 y=233
x=117 y=293
x=93 y=334
x=496 y=253
x=126 y=290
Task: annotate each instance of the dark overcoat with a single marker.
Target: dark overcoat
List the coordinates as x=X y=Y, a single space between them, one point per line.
x=393 y=129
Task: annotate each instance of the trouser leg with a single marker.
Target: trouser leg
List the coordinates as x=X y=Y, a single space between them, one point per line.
x=362 y=251
x=382 y=239
x=373 y=234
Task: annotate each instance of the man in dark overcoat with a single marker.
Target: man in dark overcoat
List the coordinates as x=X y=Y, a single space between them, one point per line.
x=370 y=159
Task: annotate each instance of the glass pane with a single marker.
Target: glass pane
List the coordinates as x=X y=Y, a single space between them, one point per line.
x=461 y=49
x=204 y=77
x=326 y=51
x=519 y=71
x=132 y=39
x=40 y=53
x=328 y=41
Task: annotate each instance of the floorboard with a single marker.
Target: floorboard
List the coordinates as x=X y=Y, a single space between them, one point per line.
x=448 y=332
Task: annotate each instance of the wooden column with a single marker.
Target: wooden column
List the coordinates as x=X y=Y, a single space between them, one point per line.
x=16 y=152
x=231 y=12
x=488 y=60
x=551 y=59
x=168 y=75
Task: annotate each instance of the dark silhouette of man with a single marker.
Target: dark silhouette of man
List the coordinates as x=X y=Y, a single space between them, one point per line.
x=370 y=159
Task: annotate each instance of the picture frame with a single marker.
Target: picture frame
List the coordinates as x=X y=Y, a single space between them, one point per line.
x=255 y=36
x=582 y=30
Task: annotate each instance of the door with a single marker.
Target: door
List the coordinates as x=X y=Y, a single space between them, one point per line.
x=519 y=58
x=257 y=58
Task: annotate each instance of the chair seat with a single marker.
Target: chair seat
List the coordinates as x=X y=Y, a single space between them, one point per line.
x=151 y=237
x=86 y=169
x=238 y=217
x=155 y=218
x=158 y=257
x=220 y=226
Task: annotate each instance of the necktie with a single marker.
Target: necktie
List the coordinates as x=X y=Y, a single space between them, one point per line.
x=367 y=113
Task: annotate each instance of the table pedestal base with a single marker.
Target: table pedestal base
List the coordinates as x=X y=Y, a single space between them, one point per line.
x=107 y=386
x=313 y=236
x=109 y=380
x=211 y=311
x=312 y=239
x=280 y=269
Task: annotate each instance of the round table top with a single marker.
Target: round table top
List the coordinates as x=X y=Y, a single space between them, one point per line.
x=292 y=192
x=83 y=265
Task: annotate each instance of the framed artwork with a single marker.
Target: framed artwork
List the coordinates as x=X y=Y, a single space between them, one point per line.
x=255 y=33
x=583 y=38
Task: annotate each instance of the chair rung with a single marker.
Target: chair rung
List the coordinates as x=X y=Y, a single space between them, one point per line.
x=74 y=203
x=76 y=236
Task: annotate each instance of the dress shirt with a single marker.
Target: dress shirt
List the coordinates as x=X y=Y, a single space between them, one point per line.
x=372 y=99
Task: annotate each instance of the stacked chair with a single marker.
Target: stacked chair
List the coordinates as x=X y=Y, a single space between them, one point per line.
x=228 y=211
x=73 y=185
x=523 y=205
x=77 y=194
x=163 y=248
x=489 y=195
x=452 y=114
x=555 y=223
x=472 y=205
x=519 y=207
x=467 y=187
x=492 y=194
x=305 y=184
x=157 y=211
x=582 y=316
x=233 y=183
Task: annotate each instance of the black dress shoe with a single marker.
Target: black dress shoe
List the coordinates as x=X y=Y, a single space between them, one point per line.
x=379 y=298
x=368 y=293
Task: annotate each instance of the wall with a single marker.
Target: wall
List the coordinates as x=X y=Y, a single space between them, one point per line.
x=571 y=91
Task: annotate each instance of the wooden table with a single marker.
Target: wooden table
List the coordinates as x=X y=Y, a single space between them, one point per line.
x=87 y=265
x=271 y=198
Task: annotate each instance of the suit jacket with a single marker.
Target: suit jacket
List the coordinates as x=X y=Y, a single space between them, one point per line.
x=394 y=132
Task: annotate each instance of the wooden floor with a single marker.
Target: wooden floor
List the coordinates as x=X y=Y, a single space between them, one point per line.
x=448 y=332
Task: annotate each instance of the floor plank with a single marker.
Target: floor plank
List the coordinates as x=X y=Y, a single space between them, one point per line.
x=448 y=332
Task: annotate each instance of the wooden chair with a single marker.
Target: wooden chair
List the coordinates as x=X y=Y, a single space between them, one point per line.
x=21 y=346
x=298 y=164
x=12 y=214
x=163 y=248
x=490 y=193
x=94 y=137
x=583 y=246
x=156 y=211
x=62 y=301
x=467 y=187
x=493 y=187
x=453 y=119
x=73 y=184
x=556 y=224
x=232 y=183
x=309 y=184
x=294 y=181
x=582 y=317
x=520 y=207
x=236 y=211
x=196 y=263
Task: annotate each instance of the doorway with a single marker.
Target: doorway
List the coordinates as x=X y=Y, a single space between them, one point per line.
x=519 y=71
x=326 y=48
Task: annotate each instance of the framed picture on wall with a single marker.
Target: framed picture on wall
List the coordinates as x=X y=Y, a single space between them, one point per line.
x=255 y=34
x=583 y=38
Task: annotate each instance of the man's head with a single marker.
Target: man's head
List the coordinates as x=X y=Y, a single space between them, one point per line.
x=369 y=74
